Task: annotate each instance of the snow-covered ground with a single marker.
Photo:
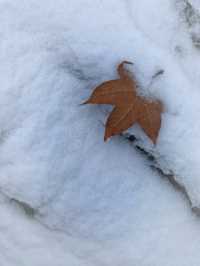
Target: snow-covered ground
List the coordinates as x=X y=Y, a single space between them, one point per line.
x=68 y=198
x=24 y=242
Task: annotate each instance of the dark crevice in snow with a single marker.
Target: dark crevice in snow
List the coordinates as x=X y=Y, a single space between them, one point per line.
x=27 y=208
x=29 y=211
x=24 y=206
x=154 y=165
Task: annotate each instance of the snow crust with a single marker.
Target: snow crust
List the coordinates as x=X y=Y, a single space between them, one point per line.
x=110 y=207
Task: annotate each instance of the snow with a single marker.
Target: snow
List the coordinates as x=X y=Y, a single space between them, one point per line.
x=23 y=242
x=176 y=152
x=96 y=203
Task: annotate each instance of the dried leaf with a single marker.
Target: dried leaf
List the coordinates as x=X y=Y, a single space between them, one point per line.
x=129 y=107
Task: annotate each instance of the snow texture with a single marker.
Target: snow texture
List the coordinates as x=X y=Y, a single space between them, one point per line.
x=109 y=206
x=23 y=242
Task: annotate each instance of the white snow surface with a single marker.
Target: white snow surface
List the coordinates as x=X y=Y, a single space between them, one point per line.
x=24 y=242
x=96 y=203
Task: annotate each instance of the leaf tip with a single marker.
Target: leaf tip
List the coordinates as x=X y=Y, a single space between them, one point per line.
x=106 y=137
x=85 y=102
x=107 y=134
x=120 y=69
x=154 y=139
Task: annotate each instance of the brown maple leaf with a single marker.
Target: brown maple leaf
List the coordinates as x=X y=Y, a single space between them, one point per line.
x=129 y=108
